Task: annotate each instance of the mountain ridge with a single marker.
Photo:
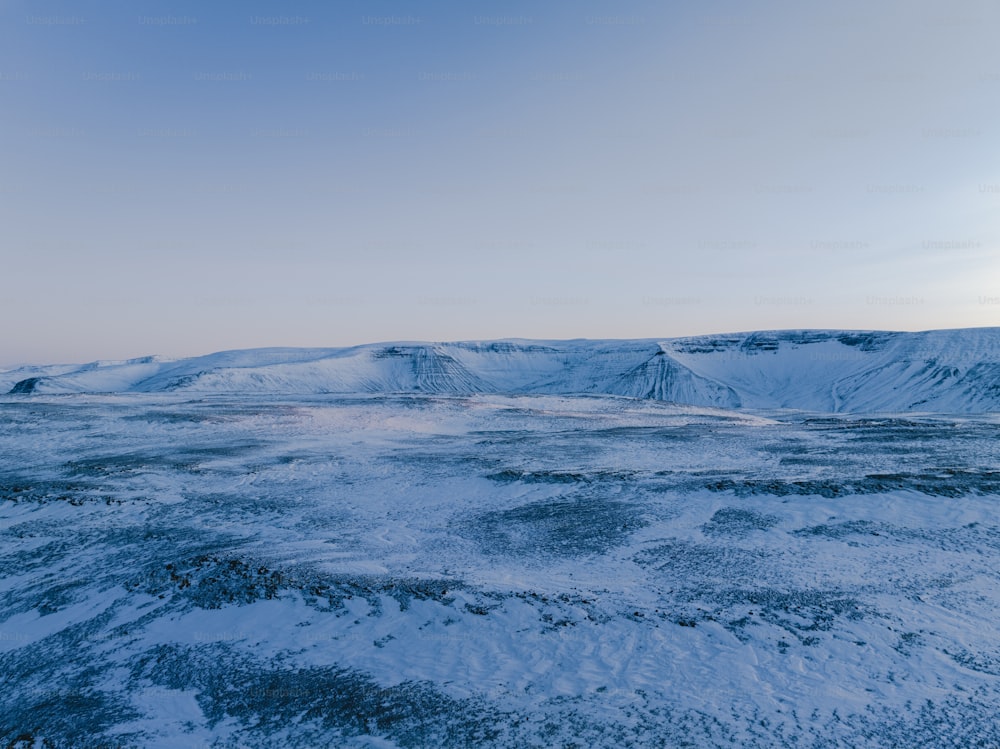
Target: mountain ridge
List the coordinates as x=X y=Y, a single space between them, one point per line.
x=956 y=370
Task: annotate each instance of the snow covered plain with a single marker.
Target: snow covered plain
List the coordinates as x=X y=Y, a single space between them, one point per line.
x=186 y=568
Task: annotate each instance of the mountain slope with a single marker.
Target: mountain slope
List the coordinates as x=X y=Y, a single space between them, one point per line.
x=954 y=371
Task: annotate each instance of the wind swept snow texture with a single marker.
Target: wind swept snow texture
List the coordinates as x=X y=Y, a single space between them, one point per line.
x=942 y=371
x=183 y=568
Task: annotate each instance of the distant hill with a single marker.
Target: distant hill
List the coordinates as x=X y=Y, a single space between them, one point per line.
x=954 y=371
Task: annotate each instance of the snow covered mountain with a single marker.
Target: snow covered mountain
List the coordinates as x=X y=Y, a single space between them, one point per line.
x=955 y=371
x=228 y=556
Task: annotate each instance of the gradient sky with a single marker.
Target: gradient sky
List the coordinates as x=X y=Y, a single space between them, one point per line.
x=184 y=177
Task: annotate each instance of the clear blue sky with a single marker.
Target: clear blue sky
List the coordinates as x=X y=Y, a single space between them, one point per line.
x=184 y=177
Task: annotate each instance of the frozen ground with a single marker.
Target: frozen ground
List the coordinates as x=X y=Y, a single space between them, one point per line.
x=499 y=571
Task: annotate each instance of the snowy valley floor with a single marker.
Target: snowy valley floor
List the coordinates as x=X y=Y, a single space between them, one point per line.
x=424 y=571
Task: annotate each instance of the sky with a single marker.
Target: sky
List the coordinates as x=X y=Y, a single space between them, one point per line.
x=178 y=178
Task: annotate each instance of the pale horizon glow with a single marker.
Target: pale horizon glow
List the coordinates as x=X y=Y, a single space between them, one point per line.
x=194 y=179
